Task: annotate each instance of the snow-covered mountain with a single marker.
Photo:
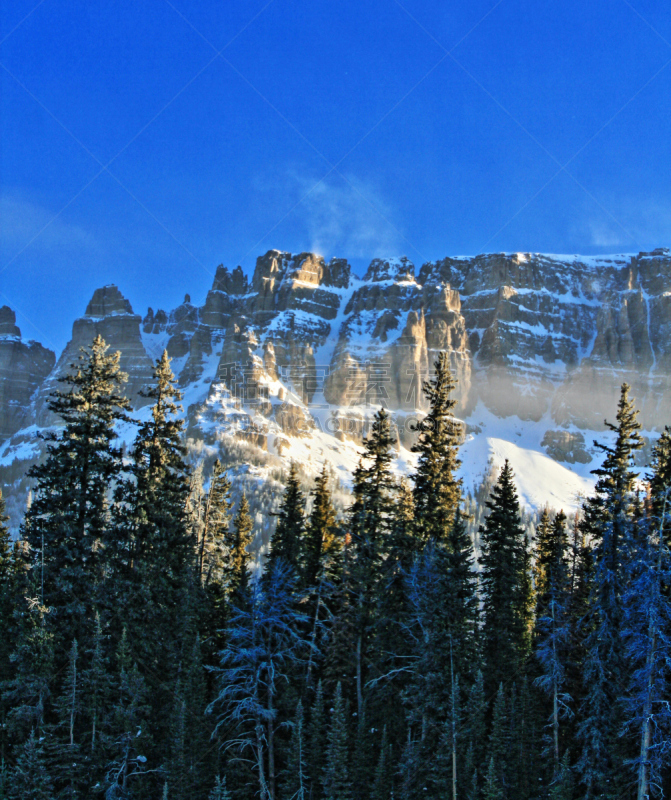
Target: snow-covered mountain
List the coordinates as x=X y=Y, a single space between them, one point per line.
x=292 y=364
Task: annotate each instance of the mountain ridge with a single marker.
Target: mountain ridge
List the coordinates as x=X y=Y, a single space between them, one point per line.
x=299 y=355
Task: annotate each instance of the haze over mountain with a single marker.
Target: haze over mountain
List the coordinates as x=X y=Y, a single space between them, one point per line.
x=293 y=362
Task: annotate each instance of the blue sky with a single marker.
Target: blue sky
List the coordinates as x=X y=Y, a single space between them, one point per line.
x=144 y=143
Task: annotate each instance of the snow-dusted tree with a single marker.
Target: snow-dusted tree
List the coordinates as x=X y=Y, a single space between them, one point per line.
x=265 y=645
x=437 y=490
x=647 y=634
x=370 y=524
x=608 y=522
x=286 y=540
x=212 y=546
x=68 y=518
x=504 y=583
x=553 y=629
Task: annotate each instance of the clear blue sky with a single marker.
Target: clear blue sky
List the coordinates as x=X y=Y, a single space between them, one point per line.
x=145 y=142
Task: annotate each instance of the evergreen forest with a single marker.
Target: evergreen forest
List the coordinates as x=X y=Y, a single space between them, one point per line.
x=374 y=654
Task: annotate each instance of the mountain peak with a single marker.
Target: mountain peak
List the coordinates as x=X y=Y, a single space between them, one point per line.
x=8 y=326
x=108 y=301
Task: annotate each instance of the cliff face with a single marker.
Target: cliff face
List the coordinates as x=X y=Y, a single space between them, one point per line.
x=110 y=315
x=23 y=368
x=305 y=346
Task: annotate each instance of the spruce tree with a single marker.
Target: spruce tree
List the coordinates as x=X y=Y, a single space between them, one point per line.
x=337 y=785
x=316 y=741
x=96 y=693
x=608 y=522
x=383 y=782
x=647 y=635
x=295 y=784
x=161 y=550
x=552 y=631
x=500 y=755
x=437 y=490
x=285 y=543
x=370 y=525
x=239 y=558
x=219 y=791
x=68 y=517
x=321 y=545
x=503 y=560
x=212 y=540
x=30 y=779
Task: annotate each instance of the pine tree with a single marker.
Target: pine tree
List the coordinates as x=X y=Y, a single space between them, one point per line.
x=476 y=733
x=316 y=735
x=10 y=580
x=96 y=692
x=219 y=791
x=492 y=788
x=264 y=647
x=337 y=784
x=295 y=784
x=68 y=518
x=128 y=733
x=552 y=632
x=286 y=540
x=647 y=633
x=161 y=550
x=212 y=543
x=63 y=747
x=437 y=490
x=238 y=569
x=30 y=779
x=370 y=525
x=504 y=561
x=608 y=522
x=321 y=545
x=500 y=754
x=383 y=782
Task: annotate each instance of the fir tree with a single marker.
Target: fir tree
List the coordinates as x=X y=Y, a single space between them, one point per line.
x=500 y=754
x=63 y=747
x=316 y=735
x=552 y=632
x=286 y=540
x=383 y=782
x=647 y=634
x=212 y=540
x=504 y=561
x=30 y=779
x=370 y=524
x=321 y=545
x=264 y=648
x=476 y=732
x=295 y=784
x=437 y=490
x=96 y=693
x=238 y=569
x=608 y=522
x=160 y=551
x=219 y=791
x=337 y=784
x=68 y=517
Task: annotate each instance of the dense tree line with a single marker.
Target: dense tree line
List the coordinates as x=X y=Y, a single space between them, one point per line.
x=373 y=656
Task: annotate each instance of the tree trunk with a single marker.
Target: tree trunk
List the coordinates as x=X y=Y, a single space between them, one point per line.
x=359 y=674
x=555 y=695
x=271 y=748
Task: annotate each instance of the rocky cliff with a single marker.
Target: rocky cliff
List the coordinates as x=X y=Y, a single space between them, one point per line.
x=299 y=355
x=23 y=369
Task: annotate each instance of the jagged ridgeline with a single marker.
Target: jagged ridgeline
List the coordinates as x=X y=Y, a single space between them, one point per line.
x=291 y=364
